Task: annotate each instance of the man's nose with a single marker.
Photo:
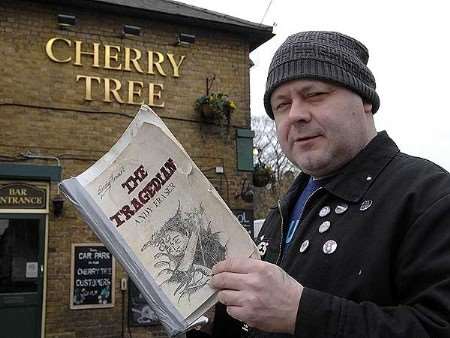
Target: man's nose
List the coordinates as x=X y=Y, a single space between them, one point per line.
x=300 y=111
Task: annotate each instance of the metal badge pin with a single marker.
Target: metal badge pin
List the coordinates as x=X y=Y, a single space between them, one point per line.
x=325 y=226
x=324 y=211
x=329 y=247
x=365 y=205
x=304 y=246
x=341 y=208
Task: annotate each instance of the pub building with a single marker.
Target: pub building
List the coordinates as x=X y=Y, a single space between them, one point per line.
x=74 y=73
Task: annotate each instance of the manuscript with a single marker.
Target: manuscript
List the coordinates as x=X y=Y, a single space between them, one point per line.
x=161 y=218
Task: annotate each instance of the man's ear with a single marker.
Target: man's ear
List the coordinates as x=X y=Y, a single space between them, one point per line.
x=367 y=107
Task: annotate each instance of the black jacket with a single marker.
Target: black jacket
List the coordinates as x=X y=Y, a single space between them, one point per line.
x=389 y=275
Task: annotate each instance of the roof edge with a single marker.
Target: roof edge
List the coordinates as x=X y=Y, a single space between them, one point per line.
x=178 y=12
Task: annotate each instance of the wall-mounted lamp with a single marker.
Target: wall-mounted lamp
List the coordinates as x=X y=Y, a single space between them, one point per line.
x=58 y=205
x=185 y=39
x=131 y=30
x=66 y=21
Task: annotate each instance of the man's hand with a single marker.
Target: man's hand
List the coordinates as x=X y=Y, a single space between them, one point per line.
x=258 y=293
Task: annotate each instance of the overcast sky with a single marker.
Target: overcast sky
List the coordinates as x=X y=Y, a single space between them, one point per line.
x=409 y=51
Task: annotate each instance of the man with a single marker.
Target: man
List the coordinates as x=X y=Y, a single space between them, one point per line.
x=360 y=245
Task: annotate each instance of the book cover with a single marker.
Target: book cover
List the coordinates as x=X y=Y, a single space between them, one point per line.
x=162 y=219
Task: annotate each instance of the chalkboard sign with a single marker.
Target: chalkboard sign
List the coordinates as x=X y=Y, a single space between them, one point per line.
x=245 y=217
x=139 y=312
x=92 y=277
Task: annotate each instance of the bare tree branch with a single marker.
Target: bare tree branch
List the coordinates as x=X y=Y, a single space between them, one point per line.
x=269 y=150
x=270 y=154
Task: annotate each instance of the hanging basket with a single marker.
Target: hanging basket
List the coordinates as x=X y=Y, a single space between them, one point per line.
x=215 y=108
x=207 y=112
x=262 y=176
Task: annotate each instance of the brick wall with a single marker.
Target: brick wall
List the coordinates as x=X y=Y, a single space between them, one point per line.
x=43 y=110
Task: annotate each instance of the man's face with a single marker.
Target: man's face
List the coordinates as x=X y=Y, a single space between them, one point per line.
x=320 y=126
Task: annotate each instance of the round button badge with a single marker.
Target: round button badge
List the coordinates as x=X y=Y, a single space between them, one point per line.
x=365 y=205
x=304 y=246
x=341 y=208
x=329 y=247
x=324 y=211
x=325 y=226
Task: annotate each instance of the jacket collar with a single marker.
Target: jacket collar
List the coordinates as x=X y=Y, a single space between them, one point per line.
x=354 y=179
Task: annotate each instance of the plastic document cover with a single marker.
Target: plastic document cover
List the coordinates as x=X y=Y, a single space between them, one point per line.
x=161 y=218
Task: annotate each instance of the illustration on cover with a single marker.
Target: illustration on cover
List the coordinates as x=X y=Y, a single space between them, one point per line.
x=188 y=249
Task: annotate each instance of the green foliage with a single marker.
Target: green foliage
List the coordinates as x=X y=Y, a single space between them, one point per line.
x=215 y=107
x=262 y=175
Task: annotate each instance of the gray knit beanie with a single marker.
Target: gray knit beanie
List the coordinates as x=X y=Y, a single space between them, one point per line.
x=326 y=56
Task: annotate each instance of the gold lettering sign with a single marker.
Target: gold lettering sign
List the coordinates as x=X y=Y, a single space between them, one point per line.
x=117 y=58
x=22 y=196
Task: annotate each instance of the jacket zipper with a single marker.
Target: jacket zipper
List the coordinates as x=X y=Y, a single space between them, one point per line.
x=282 y=231
x=300 y=221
